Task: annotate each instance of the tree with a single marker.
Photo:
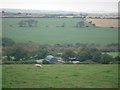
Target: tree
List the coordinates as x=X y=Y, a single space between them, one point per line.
x=7 y=42
x=91 y=51
x=63 y=25
x=68 y=53
x=80 y=24
x=30 y=23
x=88 y=53
x=22 y=23
x=20 y=54
x=117 y=59
x=97 y=56
x=21 y=50
x=3 y=12
x=105 y=59
x=83 y=55
x=41 y=53
x=27 y=23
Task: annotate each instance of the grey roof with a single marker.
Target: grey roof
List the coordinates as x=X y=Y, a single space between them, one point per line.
x=49 y=57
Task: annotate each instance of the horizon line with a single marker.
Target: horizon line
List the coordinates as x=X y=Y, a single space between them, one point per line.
x=82 y=11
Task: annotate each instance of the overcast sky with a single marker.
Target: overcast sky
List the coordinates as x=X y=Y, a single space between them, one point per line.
x=67 y=5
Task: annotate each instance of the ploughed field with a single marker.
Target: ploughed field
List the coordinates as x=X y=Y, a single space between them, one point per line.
x=52 y=31
x=105 y=22
x=60 y=76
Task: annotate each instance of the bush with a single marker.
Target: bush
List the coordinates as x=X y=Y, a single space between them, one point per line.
x=97 y=56
x=68 y=53
x=82 y=56
x=106 y=59
x=7 y=42
x=87 y=53
x=20 y=62
x=45 y=62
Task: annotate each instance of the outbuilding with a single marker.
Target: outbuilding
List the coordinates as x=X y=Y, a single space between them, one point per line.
x=51 y=59
x=48 y=59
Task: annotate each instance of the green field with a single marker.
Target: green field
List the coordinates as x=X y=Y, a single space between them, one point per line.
x=114 y=54
x=47 y=32
x=0 y=76
x=60 y=76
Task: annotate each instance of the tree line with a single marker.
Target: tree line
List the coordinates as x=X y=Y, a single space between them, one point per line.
x=13 y=51
x=28 y=23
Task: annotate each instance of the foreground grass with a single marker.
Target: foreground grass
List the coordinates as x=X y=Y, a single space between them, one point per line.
x=0 y=76
x=60 y=76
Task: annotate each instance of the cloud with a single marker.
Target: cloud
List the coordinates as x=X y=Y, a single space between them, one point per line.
x=69 y=5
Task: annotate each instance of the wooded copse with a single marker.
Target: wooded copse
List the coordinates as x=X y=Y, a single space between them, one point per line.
x=12 y=51
x=28 y=23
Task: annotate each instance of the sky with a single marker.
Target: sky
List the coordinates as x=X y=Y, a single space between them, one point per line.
x=64 y=5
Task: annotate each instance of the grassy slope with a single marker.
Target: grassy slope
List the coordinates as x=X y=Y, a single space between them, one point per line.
x=54 y=35
x=114 y=54
x=60 y=76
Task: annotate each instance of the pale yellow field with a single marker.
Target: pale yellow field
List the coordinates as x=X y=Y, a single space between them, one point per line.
x=105 y=22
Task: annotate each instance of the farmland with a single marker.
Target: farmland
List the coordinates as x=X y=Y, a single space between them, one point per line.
x=60 y=76
x=0 y=76
x=49 y=31
x=57 y=31
x=114 y=54
x=105 y=22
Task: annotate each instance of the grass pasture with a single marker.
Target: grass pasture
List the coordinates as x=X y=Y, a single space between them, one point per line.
x=0 y=76
x=49 y=32
x=114 y=54
x=60 y=76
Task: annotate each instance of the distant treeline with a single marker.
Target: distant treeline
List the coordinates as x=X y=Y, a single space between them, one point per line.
x=13 y=51
x=28 y=23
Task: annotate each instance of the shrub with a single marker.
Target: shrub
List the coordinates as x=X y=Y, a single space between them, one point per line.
x=106 y=59
x=7 y=42
x=20 y=62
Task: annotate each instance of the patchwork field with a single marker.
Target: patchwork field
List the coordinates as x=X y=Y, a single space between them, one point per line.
x=49 y=31
x=60 y=76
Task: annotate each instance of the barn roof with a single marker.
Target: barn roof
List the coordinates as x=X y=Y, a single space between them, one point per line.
x=49 y=57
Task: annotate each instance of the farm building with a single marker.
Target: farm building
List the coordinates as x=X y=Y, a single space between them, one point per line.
x=73 y=62
x=48 y=59
x=40 y=61
x=61 y=61
x=51 y=59
x=72 y=58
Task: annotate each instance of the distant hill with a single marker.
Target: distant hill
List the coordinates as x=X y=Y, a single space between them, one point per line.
x=38 y=11
x=52 y=13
